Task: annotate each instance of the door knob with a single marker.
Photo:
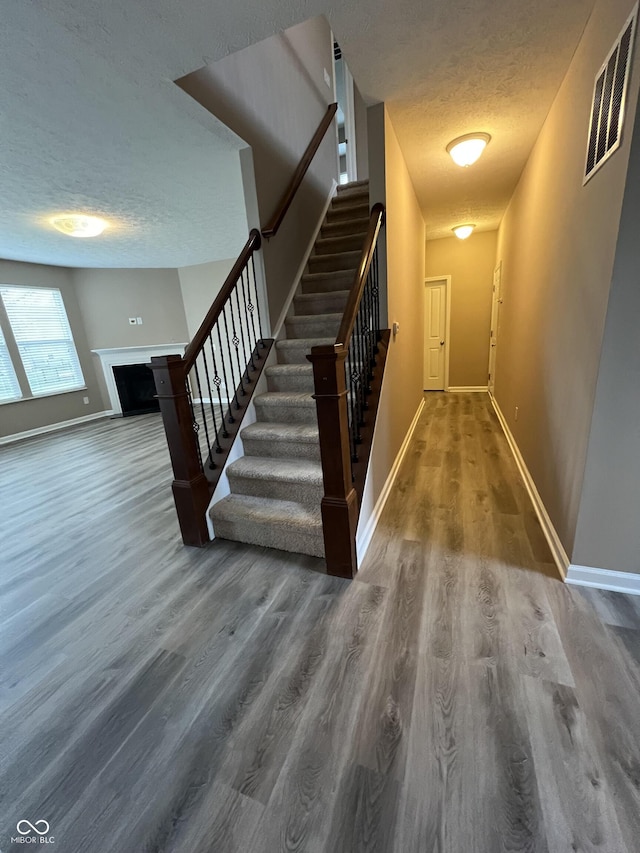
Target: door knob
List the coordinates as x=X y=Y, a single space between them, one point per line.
x=441 y=343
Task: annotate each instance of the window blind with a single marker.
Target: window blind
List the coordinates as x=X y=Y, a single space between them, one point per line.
x=41 y=328
x=9 y=387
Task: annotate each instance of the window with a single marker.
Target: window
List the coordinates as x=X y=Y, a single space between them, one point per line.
x=42 y=333
x=9 y=387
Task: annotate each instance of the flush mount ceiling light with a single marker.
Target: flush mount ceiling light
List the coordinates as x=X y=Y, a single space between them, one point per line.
x=465 y=150
x=79 y=224
x=463 y=231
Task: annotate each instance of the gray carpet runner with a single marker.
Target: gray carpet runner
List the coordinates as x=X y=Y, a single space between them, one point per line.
x=276 y=487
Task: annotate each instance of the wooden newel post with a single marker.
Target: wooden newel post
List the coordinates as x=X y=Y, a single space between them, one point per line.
x=340 y=502
x=190 y=486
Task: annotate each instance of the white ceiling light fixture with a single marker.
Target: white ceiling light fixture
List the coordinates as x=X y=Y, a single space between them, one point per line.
x=465 y=150
x=463 y=231
x=79 y=224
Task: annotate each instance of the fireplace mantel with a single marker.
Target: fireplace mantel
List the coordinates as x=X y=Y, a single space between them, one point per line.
x=130 y=355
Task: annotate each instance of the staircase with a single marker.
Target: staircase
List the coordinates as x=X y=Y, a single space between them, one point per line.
x=276 y=487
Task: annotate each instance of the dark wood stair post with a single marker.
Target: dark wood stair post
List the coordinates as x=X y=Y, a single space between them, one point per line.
x=340 y=502
x=191 y=491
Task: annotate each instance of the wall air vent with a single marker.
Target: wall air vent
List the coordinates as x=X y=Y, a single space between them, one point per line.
x=609 y=94
x=337 y=53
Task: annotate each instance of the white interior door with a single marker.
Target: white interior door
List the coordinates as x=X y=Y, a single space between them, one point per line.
x=495 y=324
x=435 y=344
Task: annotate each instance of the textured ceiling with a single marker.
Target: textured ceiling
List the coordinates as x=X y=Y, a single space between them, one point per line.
x=91 y=119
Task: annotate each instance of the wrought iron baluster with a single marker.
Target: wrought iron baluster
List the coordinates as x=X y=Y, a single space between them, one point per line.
x=194 y=420
x=243 y=344
x=231 y=368
x=217 y=381
x=252 y=307
x=349 y=366
x=204 y=416
x=211 y=392
x=257 y=301
x=252 y=343
x=224 y=378
x=235 y=340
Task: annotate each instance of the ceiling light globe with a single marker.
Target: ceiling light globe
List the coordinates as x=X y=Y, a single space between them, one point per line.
x=463 y=231
x=79 y=225
x=465 y=150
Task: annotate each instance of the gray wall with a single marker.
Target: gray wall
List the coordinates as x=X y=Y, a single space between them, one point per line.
x=273 y=95
x=31 y=414
x=608 y=531
x=107 y=299
x=362 y=135
x=98 y=303
x=199 y=286
x=557 y=244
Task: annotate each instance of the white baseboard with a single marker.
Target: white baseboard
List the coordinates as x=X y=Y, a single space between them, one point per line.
x=298 y=276
x=465 y=389
x=604 y=579
x=31 y=433
x=557 y=549
x=364 y=536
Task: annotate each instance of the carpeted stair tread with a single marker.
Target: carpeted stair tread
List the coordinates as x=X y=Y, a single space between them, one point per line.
x=296 y=399
x=349 y=209
x=305 y=303
x=286 y=525
x=277 y=470
x=295 y=350
x=327 y=282
x=344 y=227
x=335 y=261
x=266 y=431
x=281 y=440
x=290 y=377
x=339 y=243
x=288 y=406
x=352 y=185
x=306 y=325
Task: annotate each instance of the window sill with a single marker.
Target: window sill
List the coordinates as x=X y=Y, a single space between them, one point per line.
x=42 y=396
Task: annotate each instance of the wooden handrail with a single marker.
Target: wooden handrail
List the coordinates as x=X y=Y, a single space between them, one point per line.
x=272 y=226
x=376 y=221
x=191 y=352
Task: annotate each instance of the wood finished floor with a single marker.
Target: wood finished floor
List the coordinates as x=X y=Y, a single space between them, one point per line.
x=455 y=698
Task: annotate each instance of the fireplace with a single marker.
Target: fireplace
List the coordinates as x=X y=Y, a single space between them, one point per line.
x=136 y=389
x=115 y=357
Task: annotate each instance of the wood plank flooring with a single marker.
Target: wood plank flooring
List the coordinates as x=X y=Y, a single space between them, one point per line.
x=455 y=698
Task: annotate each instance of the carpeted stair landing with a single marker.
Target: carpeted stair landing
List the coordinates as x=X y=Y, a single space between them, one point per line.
x=276 y=487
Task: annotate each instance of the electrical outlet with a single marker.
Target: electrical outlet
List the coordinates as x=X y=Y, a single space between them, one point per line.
x=516 y=414
x=132 y=321
x=85 y=400
x=139 y=320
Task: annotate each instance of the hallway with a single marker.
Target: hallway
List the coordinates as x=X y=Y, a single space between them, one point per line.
x=455 y=698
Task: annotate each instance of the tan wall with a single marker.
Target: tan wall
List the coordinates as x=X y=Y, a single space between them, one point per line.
x=608 y=533
x=405 y=240
x=470 y=263
x=29 y=414
x=273 y=95
x=557 y=243
x=107 y=299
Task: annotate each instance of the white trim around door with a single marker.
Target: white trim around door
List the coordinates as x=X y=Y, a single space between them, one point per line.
x=446 y=280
